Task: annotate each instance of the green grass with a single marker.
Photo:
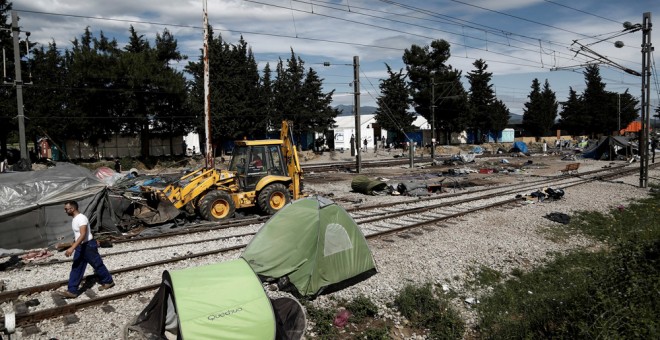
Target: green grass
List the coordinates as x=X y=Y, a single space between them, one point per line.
x=610 y=293
x=425 y=310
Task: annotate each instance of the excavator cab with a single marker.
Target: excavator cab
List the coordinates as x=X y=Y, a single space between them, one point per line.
x=252 y=162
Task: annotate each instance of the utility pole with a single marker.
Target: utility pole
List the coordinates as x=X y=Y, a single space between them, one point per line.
x=356 y=96
x=207 y=96
x=646 y=99
x=19 y=87
x=432 y=121
x=618 y=101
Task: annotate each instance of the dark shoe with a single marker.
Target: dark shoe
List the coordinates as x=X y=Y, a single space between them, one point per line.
x=67 y=294
x=107 y=286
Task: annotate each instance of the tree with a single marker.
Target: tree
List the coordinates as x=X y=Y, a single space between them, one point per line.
x=481 y=98
x=626 y=105
x=392 y=113
x=596 y=111
x=500 y=116
x=540 y=111
x=47 y=98
x=298 y=96
x=427 y=66
x=596 y=104
x=317 y=114
x=572 y=115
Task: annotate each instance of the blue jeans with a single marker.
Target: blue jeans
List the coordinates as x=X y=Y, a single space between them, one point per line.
x=87 y=252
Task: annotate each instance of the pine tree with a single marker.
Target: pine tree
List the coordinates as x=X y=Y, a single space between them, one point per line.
x=573 y=119
x=47 y=101
x=427 y=66
x=392 y=113
x=596 y=104
x=540 y=111
x=481 y=98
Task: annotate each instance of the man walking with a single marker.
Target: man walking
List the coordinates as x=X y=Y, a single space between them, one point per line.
x=85 y=250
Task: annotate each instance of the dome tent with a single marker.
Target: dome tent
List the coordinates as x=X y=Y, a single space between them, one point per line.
x=219 y=301
x=311 y=247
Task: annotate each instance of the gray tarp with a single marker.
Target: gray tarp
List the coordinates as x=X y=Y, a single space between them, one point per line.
x=31 y=208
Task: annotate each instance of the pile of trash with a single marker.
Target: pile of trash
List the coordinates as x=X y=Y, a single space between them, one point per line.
x=548 y=194
x=376 y=187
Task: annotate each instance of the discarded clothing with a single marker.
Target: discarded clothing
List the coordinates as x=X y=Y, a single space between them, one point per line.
x=558 y=217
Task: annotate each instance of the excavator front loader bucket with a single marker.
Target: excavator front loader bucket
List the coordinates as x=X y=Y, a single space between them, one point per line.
x=160 y=210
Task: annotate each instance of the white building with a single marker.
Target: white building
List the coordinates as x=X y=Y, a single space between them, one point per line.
x=369 y=131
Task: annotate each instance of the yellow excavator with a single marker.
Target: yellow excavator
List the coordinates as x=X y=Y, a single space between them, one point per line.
x=263 y=173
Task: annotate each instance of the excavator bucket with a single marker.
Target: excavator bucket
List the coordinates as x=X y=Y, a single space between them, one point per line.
x=164 y=211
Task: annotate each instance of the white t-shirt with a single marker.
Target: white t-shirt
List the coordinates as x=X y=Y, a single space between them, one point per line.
x=78 y=221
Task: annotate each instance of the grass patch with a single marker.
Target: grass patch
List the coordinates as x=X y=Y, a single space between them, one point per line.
x=421 y=306
x=322 y=319
x=612 y=293
x=485 y=277
x=361 y=307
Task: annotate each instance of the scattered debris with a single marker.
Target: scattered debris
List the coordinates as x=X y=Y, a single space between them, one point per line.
x=36 y=255
x=558 y=217
x=341 y=318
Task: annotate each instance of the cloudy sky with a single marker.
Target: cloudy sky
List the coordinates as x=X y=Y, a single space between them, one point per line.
x=519 y=39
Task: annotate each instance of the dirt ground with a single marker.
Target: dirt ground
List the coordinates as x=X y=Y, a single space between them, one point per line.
x=495 y=166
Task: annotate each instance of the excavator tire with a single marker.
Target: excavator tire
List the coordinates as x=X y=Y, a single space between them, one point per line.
x=216 y=205
x=273 y=198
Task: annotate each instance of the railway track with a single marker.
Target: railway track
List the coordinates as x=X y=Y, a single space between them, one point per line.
x=375 y=220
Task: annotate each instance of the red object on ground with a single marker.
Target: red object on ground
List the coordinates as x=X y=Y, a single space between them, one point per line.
x=341 y=319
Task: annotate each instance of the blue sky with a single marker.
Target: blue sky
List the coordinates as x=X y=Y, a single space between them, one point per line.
x=519 y=39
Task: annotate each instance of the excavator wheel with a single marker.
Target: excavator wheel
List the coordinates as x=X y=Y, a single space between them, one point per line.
x=216 y=205
x=273 y=198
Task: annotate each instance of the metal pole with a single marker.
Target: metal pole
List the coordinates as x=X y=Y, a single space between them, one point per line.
x=432 y=121
x=646 y=96
x=618 y=100
x=19 y=87
x=356 y=95
x=207 y=96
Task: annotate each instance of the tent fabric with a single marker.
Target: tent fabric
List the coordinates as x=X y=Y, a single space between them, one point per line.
x=219 y=301
x=31 y=214
x=519 y=146
x=289 y=318
x=313 y=244
x=608 y=146
x=365 y=185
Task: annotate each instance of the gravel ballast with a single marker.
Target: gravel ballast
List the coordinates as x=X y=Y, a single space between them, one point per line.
x=444 y=254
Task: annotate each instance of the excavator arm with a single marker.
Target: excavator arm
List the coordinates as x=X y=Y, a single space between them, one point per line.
x=291 y=157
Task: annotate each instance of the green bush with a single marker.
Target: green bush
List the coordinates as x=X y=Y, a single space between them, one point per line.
x=361 y=307
x=322 y=319
x=426 y=311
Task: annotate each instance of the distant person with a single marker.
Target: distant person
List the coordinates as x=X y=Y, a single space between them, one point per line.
x=84 y=250
x=117 y=165
x=654 y=145
x=366 y=143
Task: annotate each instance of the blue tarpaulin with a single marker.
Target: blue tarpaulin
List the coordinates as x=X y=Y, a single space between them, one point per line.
x=519 y=147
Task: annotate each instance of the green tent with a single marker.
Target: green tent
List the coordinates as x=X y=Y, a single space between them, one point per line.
x=219 y=301
x=310 y=247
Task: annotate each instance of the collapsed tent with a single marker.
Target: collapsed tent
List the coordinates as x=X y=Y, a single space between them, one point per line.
x=608 y=147
x=330 y=251
x=31 y=214
x=219 y=301
x=519 y=146
x=365 y=185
